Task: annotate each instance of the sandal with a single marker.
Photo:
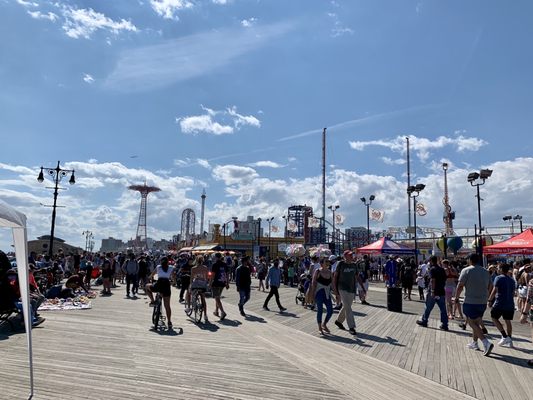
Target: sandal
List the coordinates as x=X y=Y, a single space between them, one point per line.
x=325 y=328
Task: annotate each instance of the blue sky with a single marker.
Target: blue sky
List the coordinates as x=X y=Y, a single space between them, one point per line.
x=231 y=96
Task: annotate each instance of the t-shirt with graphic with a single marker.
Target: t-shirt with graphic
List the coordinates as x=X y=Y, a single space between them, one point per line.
x=219 y=270
x=347 y=273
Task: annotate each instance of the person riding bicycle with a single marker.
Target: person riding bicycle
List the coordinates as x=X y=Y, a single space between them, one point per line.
x=165 y=274
x=185 y=278
x=199 y=282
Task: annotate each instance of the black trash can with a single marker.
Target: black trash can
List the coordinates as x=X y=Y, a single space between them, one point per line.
x=394 y=299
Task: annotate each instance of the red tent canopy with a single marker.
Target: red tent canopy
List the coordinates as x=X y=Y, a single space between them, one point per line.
x=385 y=246
x=517 y=245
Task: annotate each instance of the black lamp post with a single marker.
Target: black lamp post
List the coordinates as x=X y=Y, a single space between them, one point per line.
x=57 y=175
x=269 y=220
x=334 y=208
x=259 y=235
x=519 y=219
x=482 y=175
x=370 y=200
x=224 y=229
x=509 y=218
x=88 y=237
x=414 y=192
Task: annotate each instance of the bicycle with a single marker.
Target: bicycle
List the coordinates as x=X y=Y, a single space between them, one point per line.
x=195 y=306
x=157 y=317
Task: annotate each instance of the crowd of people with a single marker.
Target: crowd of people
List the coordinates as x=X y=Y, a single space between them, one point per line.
x=330 y=283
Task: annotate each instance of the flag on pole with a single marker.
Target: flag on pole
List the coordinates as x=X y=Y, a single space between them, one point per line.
x=313 y=222
x=291 y=226
x=421 y=209
x=377 y=215
x=339 y=219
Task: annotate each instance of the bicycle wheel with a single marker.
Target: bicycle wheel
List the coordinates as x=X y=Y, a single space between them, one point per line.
x=156 y=314
x=198 y=308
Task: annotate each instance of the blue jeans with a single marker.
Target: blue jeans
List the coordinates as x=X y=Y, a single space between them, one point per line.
x=244 y=296
x=320 y=300
x=430 y=303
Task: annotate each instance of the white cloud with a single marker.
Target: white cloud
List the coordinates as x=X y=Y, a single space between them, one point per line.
x=50 y=16
x=247 y=23
x=221 y=2
x=88 y=78
x=27 y=3
x=169 y=8
x=338 y=28
x=101 y=202
x=422 y=146
x=204 y=163
x=154 y=66
x=84 y=22
x=390 y=161
x=230 y=120
x=234 y=174
x=266 y=164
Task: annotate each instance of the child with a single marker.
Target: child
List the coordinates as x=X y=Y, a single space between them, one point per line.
x=421 y=282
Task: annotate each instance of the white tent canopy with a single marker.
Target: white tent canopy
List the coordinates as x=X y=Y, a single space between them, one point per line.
x=10 y=218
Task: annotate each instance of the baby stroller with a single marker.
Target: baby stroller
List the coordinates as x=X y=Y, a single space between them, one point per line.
x=303 y=284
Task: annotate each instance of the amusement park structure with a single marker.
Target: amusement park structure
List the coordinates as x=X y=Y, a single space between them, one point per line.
x=448 y=215
x=144 y=190
x=188 y=222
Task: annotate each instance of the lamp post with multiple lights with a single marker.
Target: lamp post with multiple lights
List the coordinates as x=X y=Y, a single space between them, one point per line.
x=367 y=205
x=478 y=179
x=233 y=219
x=333 y=209
x=519 y=219
x=269 y=220
x=57 y=174
x=414 y=192
x=88 y=238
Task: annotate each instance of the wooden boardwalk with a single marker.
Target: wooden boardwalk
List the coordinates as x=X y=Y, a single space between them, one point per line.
x=109 y=352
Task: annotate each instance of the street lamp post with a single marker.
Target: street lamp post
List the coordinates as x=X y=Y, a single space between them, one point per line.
x=483 y=175
x=509 y=218
x=414 y=192
x=57 y=175
x=334 y=208
x=519 y=219
x=258 y=237
x=370 y=200
x=269 y=220
x=224 y=229
x=88 y=237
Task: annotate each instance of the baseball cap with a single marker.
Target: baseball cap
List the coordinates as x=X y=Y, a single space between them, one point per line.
x=332 y=258
x=347 y=252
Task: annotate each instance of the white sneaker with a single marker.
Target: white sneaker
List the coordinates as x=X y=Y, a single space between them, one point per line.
x=473 y=346
x=506 y=342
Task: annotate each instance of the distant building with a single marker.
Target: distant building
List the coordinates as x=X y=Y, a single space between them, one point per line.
x=356 y=236
x=111 y=245
x=42 y=243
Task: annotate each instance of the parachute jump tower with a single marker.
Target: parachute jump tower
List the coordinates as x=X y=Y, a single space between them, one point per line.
x=144 y=190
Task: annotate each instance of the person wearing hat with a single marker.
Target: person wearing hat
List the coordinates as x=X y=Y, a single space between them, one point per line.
x=345 y=279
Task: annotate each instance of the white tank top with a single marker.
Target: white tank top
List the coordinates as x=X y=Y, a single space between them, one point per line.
x=161 y=274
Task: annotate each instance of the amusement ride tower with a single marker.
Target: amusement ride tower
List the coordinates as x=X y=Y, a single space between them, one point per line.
x=144 y=190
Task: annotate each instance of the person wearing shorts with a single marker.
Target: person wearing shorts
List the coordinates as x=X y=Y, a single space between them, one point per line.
x=218 y=283
x=527 y=312
x=501 y=300
x=477 y=284
x=198 y=281
x=165 y=273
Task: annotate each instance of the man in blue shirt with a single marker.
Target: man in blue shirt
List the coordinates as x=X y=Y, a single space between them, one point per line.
x=273 y=279
x=501 y=300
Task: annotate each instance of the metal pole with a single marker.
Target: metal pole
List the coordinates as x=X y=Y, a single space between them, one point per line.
x=480 y=242
x=269 y=239
x=334 y=242
x=224 y=229
x=56 y=181
x=414 y=222
x=368 y=223
x=409 y=184
x=324 y=178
